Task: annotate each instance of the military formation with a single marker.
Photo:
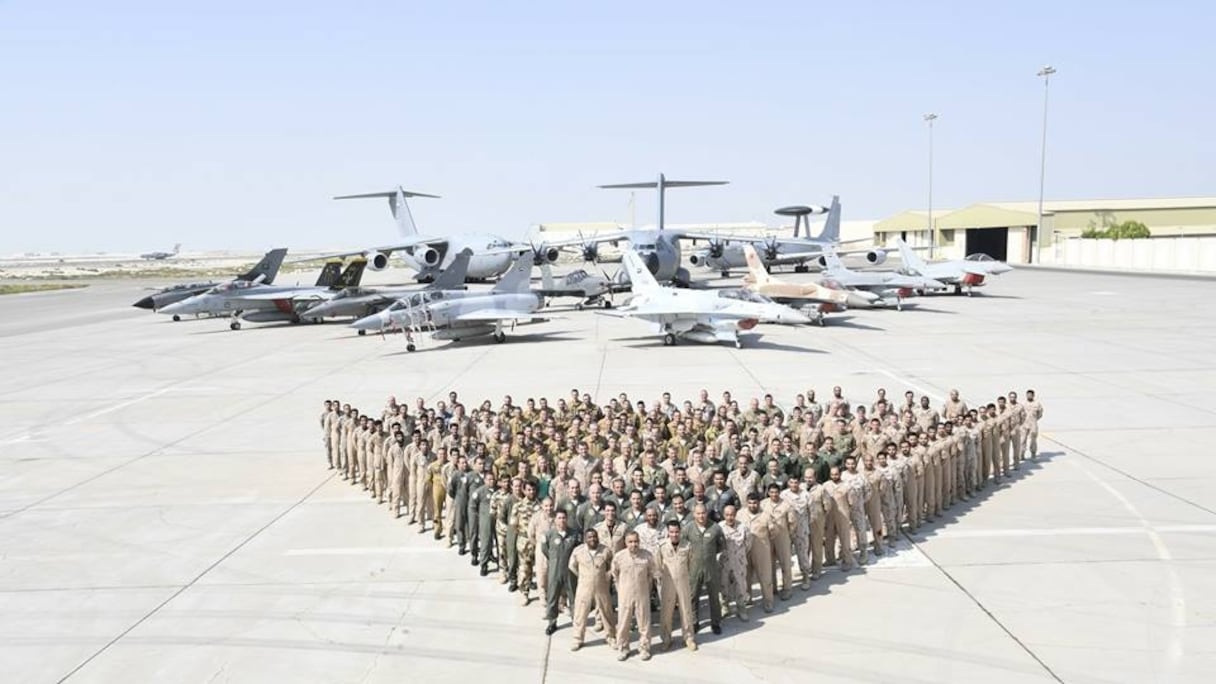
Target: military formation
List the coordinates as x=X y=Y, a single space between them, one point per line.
x=611 y=512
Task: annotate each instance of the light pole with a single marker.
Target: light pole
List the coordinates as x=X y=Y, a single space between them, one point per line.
x=929 y=119
x=1045 y=73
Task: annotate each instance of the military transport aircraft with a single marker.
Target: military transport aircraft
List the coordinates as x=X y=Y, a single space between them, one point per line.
x=161 y=256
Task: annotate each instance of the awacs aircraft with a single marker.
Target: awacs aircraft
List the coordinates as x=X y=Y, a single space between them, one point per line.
x=825 y=299
x=258 y=303
x=890 y=286
x=262 y=272
x=431 y=254
x=359 y=302
x=160 y=256
x=459 y=315
x=725 y=252
x=706 y=316
x=958 y=273
x=591 y=288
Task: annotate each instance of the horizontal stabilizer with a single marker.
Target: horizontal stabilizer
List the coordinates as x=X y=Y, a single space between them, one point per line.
x=666 y=184
x=390 y=193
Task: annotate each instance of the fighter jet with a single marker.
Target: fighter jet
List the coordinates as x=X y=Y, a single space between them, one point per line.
x=259 y=303
x=262 y=272
x=161 y=256
x=591 y=288
x=965 y=273
x=460 y=314
x=358 y=302
x=430 y=255
x=807 y=295
x=890 y=287
x=706 y=316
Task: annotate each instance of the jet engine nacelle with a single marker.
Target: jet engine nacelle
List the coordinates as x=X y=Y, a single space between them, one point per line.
x=545 y=255
x=428 y=256
x=822 y=261
x=376 y=261
x=699 y=257
x=875 y=257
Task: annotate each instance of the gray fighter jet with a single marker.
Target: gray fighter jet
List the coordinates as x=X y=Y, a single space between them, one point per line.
x=259 y=303
x=699 y=315
x=957 y=273
x=360 y=302
x=262 y=272
x=890 y=286
x=456 y=315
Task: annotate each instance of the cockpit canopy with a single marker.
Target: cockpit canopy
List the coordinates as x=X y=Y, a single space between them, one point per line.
x=416 y=300
x=743 y=295
x=233 y=286
x=978 y=256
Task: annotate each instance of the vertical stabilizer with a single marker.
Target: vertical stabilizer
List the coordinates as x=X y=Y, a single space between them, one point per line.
x=265 y=270
x=641 y=278
x=518 y=279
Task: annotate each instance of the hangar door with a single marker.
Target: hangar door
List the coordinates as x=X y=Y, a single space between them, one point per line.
x=991 y=241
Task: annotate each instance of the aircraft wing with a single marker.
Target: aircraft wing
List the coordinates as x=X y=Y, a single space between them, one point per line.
x=386 y=249
x=497 y=315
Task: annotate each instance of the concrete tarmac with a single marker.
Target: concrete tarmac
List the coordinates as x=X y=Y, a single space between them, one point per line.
x=166 y=513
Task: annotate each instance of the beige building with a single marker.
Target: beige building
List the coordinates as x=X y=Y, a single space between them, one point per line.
x=1009 y=230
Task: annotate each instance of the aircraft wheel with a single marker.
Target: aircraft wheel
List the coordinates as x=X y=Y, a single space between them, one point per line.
x=738 y=343
x=579 y=306
x=410 y=347
x=725 y=274
x=362 y=333
x=899 y=305
x=669 y=340
x=820 y=320
x=968 y=292
x=235 y=325
x=958 y=289
x=500 y=337
x=606 y=304
x=176 y=318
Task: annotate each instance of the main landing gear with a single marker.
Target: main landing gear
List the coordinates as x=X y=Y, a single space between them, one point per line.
x=669 y=340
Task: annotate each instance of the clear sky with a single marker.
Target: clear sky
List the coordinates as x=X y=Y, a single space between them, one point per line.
x=134 y=125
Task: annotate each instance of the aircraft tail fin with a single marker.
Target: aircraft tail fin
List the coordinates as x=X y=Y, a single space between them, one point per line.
x=639 y=275
x=831 y=260
x=661 y=184
x=452 y=277
x=329 y=273
x=398 y=205
x=177 y=248
x=911 y=259
x=267 y=268
x=831 y=227
x=351 y=275
x=518 y=279
x=755 y=268
x=546 y=277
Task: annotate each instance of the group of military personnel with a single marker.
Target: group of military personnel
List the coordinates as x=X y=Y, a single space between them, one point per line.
x=613 y=510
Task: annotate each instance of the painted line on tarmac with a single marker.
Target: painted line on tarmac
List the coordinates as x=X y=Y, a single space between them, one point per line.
x=119 y=406
x=898 y=378
x=1069 y=531
x=1174 y=653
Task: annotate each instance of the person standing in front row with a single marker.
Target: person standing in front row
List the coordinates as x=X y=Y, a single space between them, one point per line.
x=633 y=571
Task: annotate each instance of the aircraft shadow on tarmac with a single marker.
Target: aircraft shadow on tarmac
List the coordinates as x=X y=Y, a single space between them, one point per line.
x=435 y=345
x=649 y=342
x=849 y=322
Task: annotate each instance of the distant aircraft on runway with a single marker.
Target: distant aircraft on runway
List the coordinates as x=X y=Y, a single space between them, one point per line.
x=263 y=272
x=958 y=273
x=459 y=315
x=161 y=256
x=259 y=303
x=891 y=287
x=429 y=255
x=706 y=316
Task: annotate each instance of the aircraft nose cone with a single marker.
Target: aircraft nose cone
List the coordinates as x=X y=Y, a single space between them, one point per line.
x=176 y=308
x=318 y=310
x=145 y=303
x=373 y=322
x=934 y=285
x=861 y=299
x=652 y=263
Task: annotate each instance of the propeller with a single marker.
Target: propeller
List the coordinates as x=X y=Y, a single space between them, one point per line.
x=771 y=248
x=717 y=247
x=590 y=250
x=542 y=254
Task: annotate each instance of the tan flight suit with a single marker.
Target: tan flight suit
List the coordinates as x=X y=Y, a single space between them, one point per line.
x=327 y=419
x=992 y=439
x=781 y=533
x=874 y=504
x=1034 y=413
x=1004 y=425
x=591 y=569
x=954 y=476
x=352 y=451
x=735 y=586
x=437 y=484
x=858 y=493
x=913 y=487
x=379 y=460
x=1017 y=433
x=633 y=574
x=421 y=503
x=337 y=437
x=396 y=478
x=800 y=503
x=675 y=592
x=760 y=554
x=538 y=527
x=614 y=538
x=953 y=409
x=933 y=478
x=839 y=525
x=819 y=512
x=888 y=479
